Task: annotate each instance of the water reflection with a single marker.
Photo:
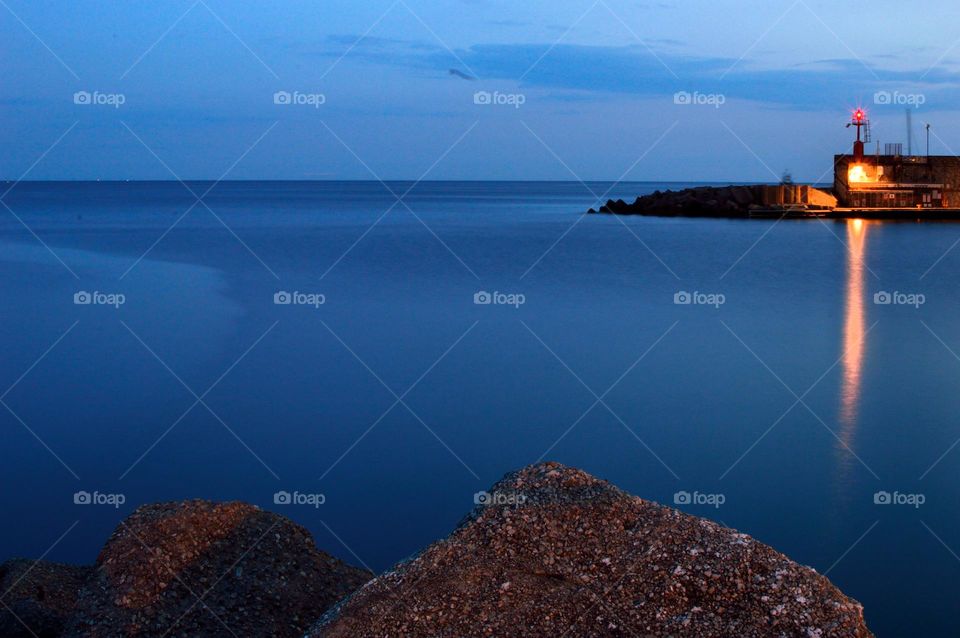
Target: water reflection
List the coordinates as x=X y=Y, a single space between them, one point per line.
x=854 y=331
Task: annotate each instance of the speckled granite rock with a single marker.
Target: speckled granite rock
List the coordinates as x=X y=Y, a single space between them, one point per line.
x=255 y=574
x=38 y=597
x=581 y=558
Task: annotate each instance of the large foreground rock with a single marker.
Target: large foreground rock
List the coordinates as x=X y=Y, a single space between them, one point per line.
x=38 y=597
x=581 y=558
x=205 y=569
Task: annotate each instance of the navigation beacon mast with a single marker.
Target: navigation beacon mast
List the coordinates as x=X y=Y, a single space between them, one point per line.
x=860 y=121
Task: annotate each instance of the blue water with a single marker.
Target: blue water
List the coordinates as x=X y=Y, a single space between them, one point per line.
x=695 y=398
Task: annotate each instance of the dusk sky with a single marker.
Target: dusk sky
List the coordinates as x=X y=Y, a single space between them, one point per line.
x=389 y=88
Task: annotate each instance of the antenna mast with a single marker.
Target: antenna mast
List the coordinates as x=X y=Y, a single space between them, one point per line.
x=909 y=133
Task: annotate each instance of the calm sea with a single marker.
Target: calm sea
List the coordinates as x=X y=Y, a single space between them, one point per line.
x=783 y=400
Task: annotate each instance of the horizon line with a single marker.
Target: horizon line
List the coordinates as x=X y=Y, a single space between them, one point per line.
x=376 y=181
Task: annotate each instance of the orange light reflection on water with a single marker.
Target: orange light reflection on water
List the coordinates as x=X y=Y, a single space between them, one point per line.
x=854 y=330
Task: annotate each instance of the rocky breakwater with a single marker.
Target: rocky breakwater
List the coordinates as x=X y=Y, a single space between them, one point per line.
x=581 y=558
x=725 y=201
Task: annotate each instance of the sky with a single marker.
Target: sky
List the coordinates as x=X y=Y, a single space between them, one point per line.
x=683 y=90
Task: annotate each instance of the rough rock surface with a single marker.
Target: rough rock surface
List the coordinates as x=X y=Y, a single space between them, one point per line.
x=203 y=569
x=714 y=201
x=580 y=558
x=38 y=597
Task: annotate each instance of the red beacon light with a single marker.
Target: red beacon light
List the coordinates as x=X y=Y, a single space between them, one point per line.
x=858 y=115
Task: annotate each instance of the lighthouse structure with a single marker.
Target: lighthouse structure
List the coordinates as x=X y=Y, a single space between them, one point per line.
x=891 y=180
x=860 y=121
x=859 y=172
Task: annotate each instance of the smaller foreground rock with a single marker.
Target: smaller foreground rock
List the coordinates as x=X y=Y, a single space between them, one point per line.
x=204 y=569
x=574 y=556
